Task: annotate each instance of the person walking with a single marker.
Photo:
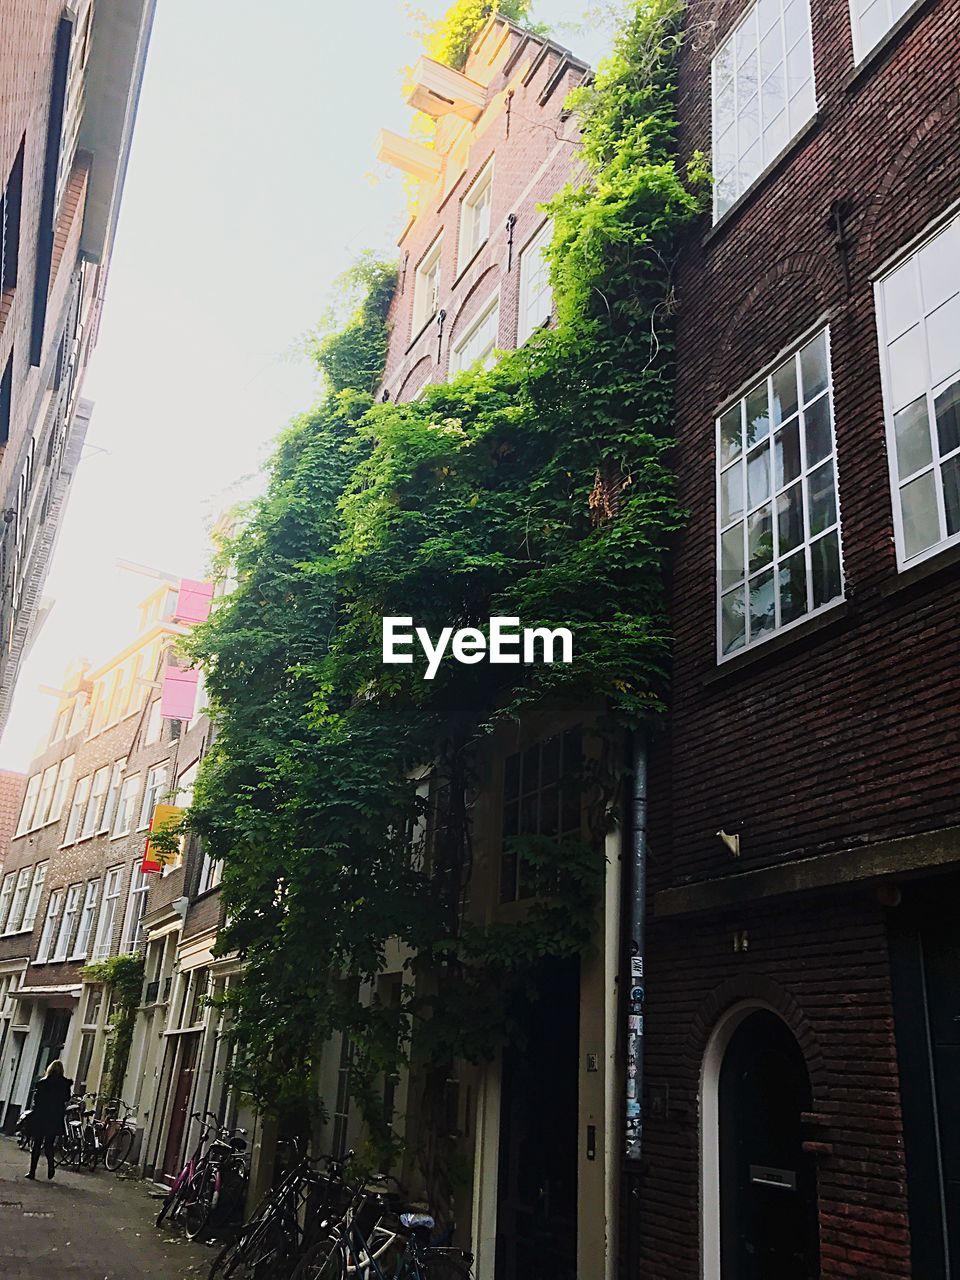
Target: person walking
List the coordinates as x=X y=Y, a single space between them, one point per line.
x=50 y=1100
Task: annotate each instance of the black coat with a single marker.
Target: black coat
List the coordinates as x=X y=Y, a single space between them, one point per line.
x=49 y=1106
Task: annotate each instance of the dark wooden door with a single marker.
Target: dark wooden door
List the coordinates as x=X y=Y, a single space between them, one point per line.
x=941 y=949
x=768 y=1206
x=182 y=1093
x=537 y=1186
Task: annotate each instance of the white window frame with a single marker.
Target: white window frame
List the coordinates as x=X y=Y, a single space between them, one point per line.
x=894 y=11
x=211 y=872
x=154 y=725
x=64 y=778
x=113 y=795
x=931 y=391
x=29 y=807
x=136 y=908
x=775 y=490
x=458 y=359
x=744 y=42
x=535 y=270
x=50 y=923
x=126 y=806
x=48 y=788
x=156 y=785
x=34 y=896
x=81 y=794
x=476 y=210
x=427 y=283
x=6 y=898
x=71 y=910
x=107 y=916
x=19 y=902
x=81 y=945
x=99 y=786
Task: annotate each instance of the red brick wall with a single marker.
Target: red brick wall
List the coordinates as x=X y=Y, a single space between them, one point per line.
x=535 y=151
x=839 y=740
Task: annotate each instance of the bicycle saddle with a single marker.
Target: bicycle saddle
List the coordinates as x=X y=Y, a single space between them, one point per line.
x=413 y=1220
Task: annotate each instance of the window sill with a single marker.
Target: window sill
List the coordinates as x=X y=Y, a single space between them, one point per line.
x=420 y=332
x=879 y=54
x=939 y=564
x=118 y=835
x=17 y=933
x=772 y=171
x=796 y=638
x=469 y=263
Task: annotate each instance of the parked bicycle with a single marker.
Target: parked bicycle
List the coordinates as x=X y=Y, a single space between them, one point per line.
x=79 y=1145
x=183 y=1186
x=118 y=1134
x=217 y=1192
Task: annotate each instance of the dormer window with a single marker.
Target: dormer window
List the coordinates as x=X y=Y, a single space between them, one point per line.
x=475 y=215
x=426 y=293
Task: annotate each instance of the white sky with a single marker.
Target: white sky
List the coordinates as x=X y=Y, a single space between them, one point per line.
x=252 y=185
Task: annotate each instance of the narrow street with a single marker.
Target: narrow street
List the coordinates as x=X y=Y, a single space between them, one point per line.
x=84 y=1226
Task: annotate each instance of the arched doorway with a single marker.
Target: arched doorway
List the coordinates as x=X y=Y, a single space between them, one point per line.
x=759 y=1187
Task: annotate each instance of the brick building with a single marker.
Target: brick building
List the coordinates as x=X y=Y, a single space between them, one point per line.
x=802 y=963
x=71 y=77
x=74 y=890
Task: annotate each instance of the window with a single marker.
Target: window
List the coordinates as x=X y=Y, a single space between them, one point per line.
x=541 y=797
x=113 y=795
x=64 y=778
x=29 y=805
x=67 y=922
x=778 y=519
x=61 y=724
x=19 y=900
x=103 y=942
x=211 y=873
x=98 y=792
x=46 y=795
x=82 y=944
x=49 y=926
x=763 y=93
x=10 y=207
x=156 y=785
x=33 y=899
x=151 y=732
x=126 y=805
x=6 y=401
x=77 y=809
x=201 y=702
x=6 y=897
x=536 y=295
x=480 y=340
x=136 y=906
x=426 y=288
x=918 y=311
x=475 y=215
x=872 y=19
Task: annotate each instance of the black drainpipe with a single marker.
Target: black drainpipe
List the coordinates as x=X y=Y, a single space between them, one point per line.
x=633 y=1116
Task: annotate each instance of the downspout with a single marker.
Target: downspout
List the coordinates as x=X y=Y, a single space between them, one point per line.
x=636 y=927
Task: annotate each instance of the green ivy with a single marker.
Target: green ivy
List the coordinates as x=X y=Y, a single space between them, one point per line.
x=122 y=977
x=539 y=489
x=451 y=40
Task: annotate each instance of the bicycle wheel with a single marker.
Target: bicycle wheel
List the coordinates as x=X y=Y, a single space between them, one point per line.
x=65 y=1151
x=118 y=1150
x=200 y=1201
x=325 y=1261
x=172 y=1201
x=445 y=1264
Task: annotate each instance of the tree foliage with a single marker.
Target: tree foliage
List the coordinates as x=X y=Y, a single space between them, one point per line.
x=538 y=489
x=122 y=976
x=454 y=34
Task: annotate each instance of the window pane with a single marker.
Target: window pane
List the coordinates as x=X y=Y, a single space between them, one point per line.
x=787 y=454
x=947 y=409
x=760 y=535
x=793 y=588
x=901 y=301
x=785 y=391
x=758 y=476
x=912 y=430
x=951 y=494
x=790 y=519
x=813 y=367
x=817 y=430
x=942 y=341
x=823 y=499
x=908 y=368
x=918 y=504
x=758 y=415
x=731 y=493
x=731 y=555
x=731 y=441
x=733 y=630
x=939 y=262
x=825 y=562
x=762 y=606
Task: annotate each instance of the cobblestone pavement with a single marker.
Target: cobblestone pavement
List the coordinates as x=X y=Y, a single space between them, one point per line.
x=85 y=1226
